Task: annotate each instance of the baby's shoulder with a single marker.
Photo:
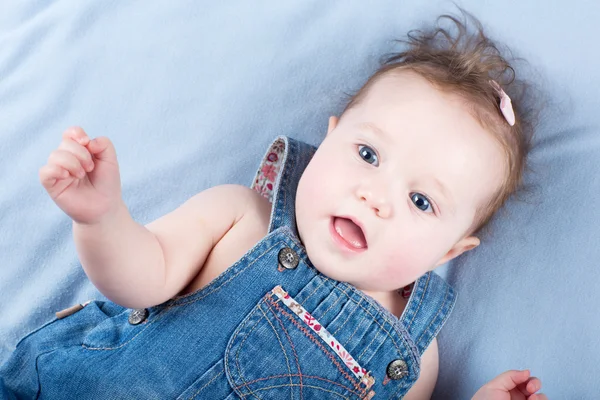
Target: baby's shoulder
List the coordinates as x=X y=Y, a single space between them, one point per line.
x=251 y=204
x=245 y=201
x=252 y=211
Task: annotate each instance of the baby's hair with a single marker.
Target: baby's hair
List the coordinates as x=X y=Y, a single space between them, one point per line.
x=464 y=63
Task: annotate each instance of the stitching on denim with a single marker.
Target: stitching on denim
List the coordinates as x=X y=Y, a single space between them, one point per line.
x=409 y=325
x=175 y=302
x=246 y=336
x=310 y=386
x=289 y=166
x=37 y=371
x=321 y=283
x=285 y=231
x=375 y=336
x=394 y=395
x=206 y=384
x=258 y=257
x=118 y=347
x=228 y=348
x=434 y=319
x=319 y=344
x=330 y=307
x=377 y=322
x=288 y=175
x=287 y=361
x=271 y=300
x=305 y=376
x=350 y=314
x=398 y=349
x=281 y=194
x=357 y=325
x=283 y=182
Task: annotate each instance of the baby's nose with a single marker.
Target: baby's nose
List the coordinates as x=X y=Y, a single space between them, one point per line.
x=378 y=202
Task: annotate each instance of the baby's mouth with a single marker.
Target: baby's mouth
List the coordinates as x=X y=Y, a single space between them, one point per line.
x=350 y=233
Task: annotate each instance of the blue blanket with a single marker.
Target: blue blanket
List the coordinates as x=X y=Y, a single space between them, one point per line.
x=191 y=94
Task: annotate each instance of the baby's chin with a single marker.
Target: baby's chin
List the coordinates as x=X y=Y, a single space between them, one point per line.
x=361 y=278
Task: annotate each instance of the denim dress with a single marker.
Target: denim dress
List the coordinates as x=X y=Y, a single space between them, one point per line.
x=269 y=327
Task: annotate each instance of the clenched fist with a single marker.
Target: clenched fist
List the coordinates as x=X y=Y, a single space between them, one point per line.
x=82 y=177
x=511 y=385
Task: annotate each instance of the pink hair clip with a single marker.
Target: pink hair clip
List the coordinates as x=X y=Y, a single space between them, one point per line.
x=505 y=103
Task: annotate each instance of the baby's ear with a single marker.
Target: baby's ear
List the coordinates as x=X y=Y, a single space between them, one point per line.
x=463 y=245
x=333 y=121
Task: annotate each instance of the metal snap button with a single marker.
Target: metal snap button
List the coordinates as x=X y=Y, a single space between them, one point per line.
x=138 y=316
x=397 y=369
x=288 y=258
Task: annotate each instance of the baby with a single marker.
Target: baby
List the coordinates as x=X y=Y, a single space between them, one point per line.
x=316 y=282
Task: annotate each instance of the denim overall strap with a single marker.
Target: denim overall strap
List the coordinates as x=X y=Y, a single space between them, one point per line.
x=278 y=176
x=429 y=305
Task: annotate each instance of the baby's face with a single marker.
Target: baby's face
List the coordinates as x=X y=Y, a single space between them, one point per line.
x=395 y=186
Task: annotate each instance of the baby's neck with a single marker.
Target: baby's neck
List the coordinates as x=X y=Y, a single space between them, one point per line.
x=392 y=301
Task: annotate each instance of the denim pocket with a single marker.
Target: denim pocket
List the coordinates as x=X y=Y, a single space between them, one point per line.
x=69 y=328
x=211 y=385
x=111 y=329
x=280 y=352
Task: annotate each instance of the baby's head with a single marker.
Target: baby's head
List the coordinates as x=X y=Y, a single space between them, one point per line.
x=417 y=163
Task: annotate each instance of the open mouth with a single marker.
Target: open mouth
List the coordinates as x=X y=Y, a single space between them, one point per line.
x=348 y=234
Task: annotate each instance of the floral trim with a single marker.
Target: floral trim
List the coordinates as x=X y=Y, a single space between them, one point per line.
x=266 y=176
x=362 y=374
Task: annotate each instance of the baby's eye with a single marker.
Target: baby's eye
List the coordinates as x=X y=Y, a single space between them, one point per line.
x=368 y=154
x=421 y=202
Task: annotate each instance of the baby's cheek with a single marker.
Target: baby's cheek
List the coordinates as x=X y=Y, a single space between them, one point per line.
x=404 y=267
x=313 y=189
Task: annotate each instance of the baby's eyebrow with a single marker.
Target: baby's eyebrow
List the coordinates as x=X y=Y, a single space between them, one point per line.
x=443 y=190
x=369 y=126
x=441 y=187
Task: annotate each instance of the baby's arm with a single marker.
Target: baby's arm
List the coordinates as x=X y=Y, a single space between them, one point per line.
x=137 y=266
x=133 y=265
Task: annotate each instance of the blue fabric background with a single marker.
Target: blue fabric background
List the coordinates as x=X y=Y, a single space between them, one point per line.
x=191 y=94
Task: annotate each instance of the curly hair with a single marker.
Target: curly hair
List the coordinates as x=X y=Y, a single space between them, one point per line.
x=464 y=62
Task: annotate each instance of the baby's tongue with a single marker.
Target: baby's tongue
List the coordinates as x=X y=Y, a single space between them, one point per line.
x=350 y=232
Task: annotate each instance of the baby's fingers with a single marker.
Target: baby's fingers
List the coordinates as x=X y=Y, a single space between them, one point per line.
x=68 y=161
x=49 y=174
x=538 y=396
x=79 y=151
x=530 y=386
x=103 y=149
x=509 y=380
x=76 y=134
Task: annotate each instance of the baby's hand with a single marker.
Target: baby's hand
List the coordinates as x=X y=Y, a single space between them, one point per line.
x=511 y=385
x=82 y=176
